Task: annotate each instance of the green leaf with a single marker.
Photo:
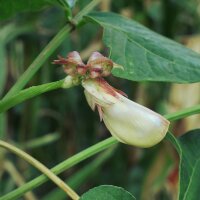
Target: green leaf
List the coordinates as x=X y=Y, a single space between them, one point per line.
x=9 y=8
x=189 y=152
x=146 y=55
x=190 y=165
x=107 y=192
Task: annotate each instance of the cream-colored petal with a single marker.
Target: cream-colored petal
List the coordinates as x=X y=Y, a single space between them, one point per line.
x=90 y=100
x=134 y=124
x=74 y=56
x=128 y=121
x=95 y=55
x=98 y=94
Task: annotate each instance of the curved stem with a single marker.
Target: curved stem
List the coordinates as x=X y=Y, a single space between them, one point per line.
x=85 y=173
x=60 y=183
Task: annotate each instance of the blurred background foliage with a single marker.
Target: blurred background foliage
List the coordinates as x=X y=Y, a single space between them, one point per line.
x=58 y=124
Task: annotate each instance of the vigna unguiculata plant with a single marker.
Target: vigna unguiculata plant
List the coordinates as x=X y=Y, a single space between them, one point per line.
x=98 y=55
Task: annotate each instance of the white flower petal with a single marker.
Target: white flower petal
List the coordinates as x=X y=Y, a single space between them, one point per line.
x=128 y=121
x=90 y=100
x=134 y=124
x=100 y=97
x=95 y=55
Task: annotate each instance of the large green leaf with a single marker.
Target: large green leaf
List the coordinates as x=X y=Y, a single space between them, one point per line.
x=107 y=192
x=189 y=151
x=146 y=55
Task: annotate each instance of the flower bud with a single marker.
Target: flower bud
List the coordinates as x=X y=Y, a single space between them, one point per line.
x=128 y=121
x=99 y=66
x=73 y=64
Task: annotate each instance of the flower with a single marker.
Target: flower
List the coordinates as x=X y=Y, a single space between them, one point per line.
x=127 y=121
x=100 y=66
x=97 y=65
x=73 y=64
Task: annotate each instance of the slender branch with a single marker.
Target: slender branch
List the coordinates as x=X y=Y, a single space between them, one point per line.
x=86 y=10
x=60 y=183
x=85 y=173
x=183 y=113
x=33 y=91
x=28 y=93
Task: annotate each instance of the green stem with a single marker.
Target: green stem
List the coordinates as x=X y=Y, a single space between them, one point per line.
x=85 y=11
x=61 y=167
x=183 y=113
x=84 y=174
x=33 y=91
x=48 y=50
x=28 y=93
x=170 y=136
x=60 y=183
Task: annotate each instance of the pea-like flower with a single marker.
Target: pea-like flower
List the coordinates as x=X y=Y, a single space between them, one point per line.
x=73 y=64
x=127 y=121
x=97 y=65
